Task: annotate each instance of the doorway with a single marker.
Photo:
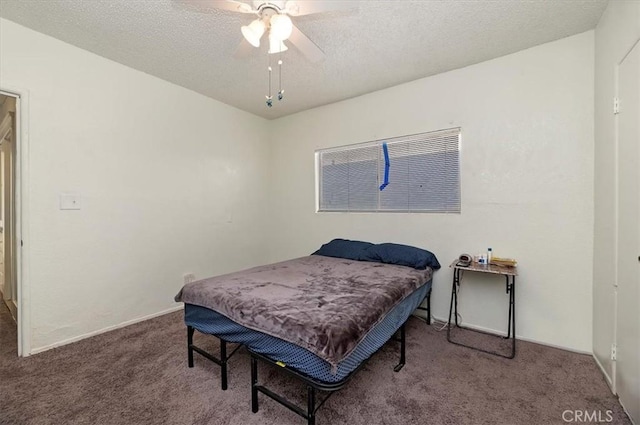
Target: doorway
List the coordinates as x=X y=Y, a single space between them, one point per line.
x=8 y=276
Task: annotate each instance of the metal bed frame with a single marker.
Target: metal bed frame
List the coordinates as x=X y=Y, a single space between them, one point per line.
x=222 y=361
x=313 y=385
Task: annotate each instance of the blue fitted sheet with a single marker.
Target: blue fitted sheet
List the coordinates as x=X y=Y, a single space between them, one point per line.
x=210 y=322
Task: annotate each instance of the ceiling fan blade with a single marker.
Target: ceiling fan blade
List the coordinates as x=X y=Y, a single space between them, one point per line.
x=307 y=7
x=305 y=45
x=207 y=5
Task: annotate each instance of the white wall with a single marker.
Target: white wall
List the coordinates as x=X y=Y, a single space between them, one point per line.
x=170 y=182
x=173 y=182
x=527 y=183
x=617 y=31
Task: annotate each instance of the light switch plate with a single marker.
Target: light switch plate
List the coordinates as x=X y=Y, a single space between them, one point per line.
x=70 y=201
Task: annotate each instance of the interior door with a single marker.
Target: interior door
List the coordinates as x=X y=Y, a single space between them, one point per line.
x=628 y=267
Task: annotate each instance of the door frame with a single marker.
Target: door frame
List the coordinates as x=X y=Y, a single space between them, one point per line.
x=21 y=208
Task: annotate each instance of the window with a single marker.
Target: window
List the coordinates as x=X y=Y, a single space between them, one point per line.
x=419 y=173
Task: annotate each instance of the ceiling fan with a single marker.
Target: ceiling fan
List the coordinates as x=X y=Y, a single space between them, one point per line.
x=274 y=19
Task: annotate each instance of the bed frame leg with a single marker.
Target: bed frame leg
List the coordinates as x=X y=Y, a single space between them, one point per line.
x=427 y=298
x=223 y=365
x=400 y=365
x=429 y=307
x=311 y=405
x=190 y=345
x=254 y=383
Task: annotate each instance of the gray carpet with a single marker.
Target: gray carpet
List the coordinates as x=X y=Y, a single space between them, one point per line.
x=139 y=375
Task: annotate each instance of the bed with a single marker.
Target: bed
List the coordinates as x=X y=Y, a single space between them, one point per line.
x=318 y=317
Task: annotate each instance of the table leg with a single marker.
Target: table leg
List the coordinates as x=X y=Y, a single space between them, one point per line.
x=513 y=318
x=453 y=297
x=456 y=285
x=510 y=292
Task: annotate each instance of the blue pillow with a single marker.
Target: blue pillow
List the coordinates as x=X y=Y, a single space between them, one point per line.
x=344 y=248
x=402 y=255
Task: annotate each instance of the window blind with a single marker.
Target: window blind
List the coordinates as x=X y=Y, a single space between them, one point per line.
x=422 y=174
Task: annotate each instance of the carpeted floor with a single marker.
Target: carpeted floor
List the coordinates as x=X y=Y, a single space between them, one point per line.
x=139 y=375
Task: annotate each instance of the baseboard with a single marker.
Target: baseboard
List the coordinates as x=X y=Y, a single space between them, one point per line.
x=107 y=329
x=627 y=412
x=519 y=337
x=604 y=372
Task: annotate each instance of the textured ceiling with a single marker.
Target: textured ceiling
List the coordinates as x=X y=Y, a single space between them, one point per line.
x=373 y=45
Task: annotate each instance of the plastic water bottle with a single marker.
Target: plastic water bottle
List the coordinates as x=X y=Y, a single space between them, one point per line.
x=489 y=255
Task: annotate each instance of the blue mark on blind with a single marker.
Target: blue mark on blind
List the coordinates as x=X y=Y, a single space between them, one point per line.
x=385 y=150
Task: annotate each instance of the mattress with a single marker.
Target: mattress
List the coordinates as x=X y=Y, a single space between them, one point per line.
x=208 y=321
x=325 y=305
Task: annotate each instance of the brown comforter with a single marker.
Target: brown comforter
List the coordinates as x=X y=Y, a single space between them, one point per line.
x=326 y=305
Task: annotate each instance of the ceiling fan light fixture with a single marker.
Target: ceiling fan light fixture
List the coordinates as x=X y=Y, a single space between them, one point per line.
x=253 y=32
x=281 y=26
x=276 y=45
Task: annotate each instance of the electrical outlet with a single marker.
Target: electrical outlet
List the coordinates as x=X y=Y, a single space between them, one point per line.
x=189 y=277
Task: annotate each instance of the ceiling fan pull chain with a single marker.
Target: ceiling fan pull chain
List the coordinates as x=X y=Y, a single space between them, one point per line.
x=269 y=97
x=280 y=91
